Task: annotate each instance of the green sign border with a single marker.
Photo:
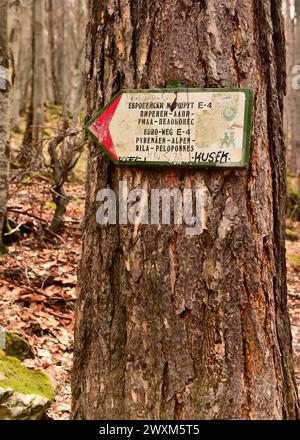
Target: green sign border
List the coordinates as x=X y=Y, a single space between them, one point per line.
x=244 y=163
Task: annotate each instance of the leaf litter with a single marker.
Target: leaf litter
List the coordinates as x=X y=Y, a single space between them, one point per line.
x=38 y=286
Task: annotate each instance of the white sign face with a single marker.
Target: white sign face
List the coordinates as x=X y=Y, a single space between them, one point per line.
x=191 y=127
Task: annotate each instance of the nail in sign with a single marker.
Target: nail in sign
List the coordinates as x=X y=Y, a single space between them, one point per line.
x=176 y=127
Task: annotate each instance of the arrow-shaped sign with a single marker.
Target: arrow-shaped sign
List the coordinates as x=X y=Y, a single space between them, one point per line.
x=183 y=127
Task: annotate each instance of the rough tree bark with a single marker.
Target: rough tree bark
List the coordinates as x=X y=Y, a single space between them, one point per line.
x=169 y=326
x=4 y=112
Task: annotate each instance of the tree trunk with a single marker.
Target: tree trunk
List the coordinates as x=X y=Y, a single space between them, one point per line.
x=4 y=112
x=64 y=82
x=49 y=95
x=23 y=64
x=77 y=91
x=14 y=20
x=290 y=127
x=52 y=16
x=14 y=15
x=170 y=326
x=38 y=71
x=59 y=177
x=31 y=148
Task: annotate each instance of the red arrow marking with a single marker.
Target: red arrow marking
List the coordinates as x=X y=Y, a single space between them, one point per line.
x=101 y=127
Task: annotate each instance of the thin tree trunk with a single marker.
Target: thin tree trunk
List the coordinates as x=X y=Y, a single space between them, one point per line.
x=17 y=35
x=289 y=102
x=14 y=19
x=24 y=68
x=170 y=326
x=77 y=92
x=31 y=147
x=5 y=114
x=38 y=71
x=52 y=18
x=287 y=109
x=59 y=176
x=63 y=61
x=49 y=86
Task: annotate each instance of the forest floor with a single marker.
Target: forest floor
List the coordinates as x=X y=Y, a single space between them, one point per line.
x=293 y=279
x=38 y=285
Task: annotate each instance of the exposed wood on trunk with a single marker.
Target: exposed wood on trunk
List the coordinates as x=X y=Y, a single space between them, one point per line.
x=170 y=326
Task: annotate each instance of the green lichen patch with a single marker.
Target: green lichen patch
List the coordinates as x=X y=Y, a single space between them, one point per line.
x=293 y=259
x=23 y=380
x=291 y=235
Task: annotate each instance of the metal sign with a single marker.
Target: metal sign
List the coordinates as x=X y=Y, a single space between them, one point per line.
x=183 y=127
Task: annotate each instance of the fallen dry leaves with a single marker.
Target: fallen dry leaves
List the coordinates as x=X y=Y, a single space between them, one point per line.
x=38 y=286
x=293 y=268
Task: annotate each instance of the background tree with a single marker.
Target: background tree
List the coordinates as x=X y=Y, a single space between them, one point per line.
x=290 y=116
x=77 y=37
x=20 y=95
x=170 y=326
x=14 y=34
x=66 y=23
x=4 y=112
x=38 y=70
x=297 y=92
x=31 y=148
x=52 y=15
